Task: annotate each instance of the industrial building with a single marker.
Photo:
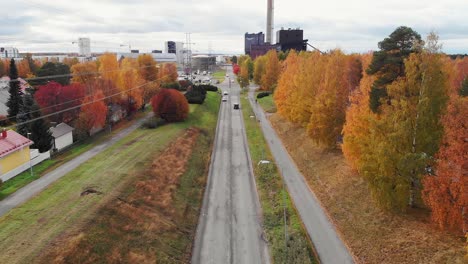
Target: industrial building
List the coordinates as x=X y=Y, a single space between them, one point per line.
x=176 y=48
x=288 y=39
x=9 y=52
x=253 y=39
x=158 y=57
x=203 y=62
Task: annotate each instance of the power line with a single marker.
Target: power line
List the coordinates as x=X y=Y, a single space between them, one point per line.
x=77 y=106
x=67 y=102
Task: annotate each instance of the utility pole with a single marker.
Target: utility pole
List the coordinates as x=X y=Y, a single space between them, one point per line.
x=188 y=53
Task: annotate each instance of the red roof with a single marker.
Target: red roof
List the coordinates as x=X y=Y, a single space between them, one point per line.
x=12 y=143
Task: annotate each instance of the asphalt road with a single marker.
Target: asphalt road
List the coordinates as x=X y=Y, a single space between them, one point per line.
x=229 y=228
x=35 y=187
x=329 y=246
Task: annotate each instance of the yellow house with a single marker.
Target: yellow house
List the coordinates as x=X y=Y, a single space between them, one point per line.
x=14 y=151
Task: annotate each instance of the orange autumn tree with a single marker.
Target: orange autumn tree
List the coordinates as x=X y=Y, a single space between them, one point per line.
x=286 y=88
x=108 y=67
x=272 y=71
x=84 y=72
x=168 y=73
x=356 y=129
x=24 y=71
x=328 y=109
x=93 y=112
x=446 y=190
x=149 y=73
x=170 y=105
x=130 y=83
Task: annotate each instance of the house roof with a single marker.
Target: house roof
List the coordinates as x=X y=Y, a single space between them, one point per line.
x=12 y=143
x=60 y=130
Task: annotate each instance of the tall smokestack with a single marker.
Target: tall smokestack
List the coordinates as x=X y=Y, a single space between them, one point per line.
x=270 y=26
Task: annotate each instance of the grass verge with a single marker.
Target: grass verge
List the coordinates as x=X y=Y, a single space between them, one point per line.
x=54 y=217
x=219 y=75
x=297 y=248
x=11 y=186
x=267 y=104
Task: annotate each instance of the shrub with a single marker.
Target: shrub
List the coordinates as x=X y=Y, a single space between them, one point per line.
x=263 y=94
x=196 y=95
x=170 y=105
x=209 y=87
x=153 y=122
x=184 y=85
x=171 y=85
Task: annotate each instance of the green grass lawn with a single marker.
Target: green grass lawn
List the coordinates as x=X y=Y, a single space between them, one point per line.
x=24 y=178
x=219 y=75
x=26 y=230
x=273 y=198
x=267 y=104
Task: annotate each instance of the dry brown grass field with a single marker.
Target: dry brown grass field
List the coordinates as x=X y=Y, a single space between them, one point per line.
x=129 y=228
x=373 y=236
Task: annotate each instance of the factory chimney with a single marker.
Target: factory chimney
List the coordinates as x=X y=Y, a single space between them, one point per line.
x=270 y=26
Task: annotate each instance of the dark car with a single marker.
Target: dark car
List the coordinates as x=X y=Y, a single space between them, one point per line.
x=236 y=106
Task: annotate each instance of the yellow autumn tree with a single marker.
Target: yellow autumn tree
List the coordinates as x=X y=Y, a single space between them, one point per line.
x=109 y=67
x=404 y=137
x=259 y=69
x=328 y=109
x=244 y=77
x=272 y=71
x=130 y=83
x=84 y=72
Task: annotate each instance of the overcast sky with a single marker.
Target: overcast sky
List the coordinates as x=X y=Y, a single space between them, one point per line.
x=219 y=25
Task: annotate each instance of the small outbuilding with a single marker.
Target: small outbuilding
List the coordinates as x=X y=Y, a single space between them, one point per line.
x=63 y=136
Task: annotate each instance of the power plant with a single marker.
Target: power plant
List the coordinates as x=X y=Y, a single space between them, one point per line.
x=270 y=25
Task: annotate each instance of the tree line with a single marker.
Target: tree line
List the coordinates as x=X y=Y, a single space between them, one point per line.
x=84 y=95
x=398 y=115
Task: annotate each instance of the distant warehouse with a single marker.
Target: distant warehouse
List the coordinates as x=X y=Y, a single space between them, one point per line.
x=203 y=62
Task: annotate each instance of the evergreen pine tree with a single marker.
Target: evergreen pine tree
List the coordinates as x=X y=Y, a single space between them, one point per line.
x=24 y=115
x=14 y=101
x=40 y=130
x=388 y=63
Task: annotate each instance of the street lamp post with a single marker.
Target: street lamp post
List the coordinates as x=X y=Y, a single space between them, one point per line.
x=30 y=162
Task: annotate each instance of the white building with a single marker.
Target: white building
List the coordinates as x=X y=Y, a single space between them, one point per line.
x=63 y=136
x=176 y=48
x=9 y=52
x=84 y=45
x=158 y=57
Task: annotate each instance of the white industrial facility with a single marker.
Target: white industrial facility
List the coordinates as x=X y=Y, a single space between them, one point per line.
x=9 y=52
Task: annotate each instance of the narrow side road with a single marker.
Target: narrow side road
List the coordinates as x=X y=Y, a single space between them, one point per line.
x=35 y=187
x=329 y=246
x=229 y=228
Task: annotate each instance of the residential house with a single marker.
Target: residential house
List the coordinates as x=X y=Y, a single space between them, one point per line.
x=63 y=136
x=14 y=151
